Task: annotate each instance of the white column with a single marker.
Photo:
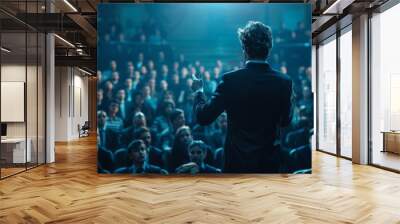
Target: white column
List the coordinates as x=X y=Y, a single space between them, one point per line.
x=50 y=92
x=50 y=101
x=360 y=90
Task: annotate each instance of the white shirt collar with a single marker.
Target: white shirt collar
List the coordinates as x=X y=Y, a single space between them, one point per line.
x=256 y=61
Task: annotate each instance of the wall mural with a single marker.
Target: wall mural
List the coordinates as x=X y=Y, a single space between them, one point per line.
x=192 y=88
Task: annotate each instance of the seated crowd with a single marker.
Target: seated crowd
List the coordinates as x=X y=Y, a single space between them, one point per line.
x=146 y=125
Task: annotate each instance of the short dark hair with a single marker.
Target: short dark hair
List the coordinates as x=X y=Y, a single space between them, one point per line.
x=256 y=40
x=139 y=132
x=179 y=131
x=176 y=113
x=164 y=105
x=198 y=143
x=134 y=145
x=101 y=113
x=113 y=103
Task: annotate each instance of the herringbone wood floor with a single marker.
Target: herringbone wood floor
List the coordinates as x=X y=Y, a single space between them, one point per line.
x=70 y=191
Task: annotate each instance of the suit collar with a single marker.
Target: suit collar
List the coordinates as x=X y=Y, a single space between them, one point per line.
x=258 y=64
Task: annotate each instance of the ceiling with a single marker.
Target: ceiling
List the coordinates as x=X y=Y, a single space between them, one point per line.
x=76 y=20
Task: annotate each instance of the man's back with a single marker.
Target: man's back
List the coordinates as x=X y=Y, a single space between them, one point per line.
x=257 y=100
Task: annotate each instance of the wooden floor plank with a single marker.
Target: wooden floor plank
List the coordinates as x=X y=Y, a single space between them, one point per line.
x=70 y=191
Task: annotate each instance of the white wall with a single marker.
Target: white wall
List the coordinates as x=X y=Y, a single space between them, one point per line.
x=71 y=102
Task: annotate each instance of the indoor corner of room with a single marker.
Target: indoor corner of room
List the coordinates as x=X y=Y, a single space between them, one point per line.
x=71 y=101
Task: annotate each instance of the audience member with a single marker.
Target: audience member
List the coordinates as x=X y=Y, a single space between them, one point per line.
x=179 y=154
x=197 y=151
x=138 y=154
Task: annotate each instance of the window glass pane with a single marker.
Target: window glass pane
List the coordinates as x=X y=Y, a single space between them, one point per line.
x=327 y=96
x=31 y=97
x=346 y=94
x=385 y=87
x=13 y=86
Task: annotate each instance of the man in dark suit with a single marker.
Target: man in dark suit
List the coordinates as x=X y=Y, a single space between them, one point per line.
x=257 y=100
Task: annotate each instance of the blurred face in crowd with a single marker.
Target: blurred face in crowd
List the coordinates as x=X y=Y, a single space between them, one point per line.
x=189 y=83
x=137 y=76
x=113 y=110
x=142 y=38
x=129 y=63
x=197 y=154
x=175 y=79
x=219 y=63
x=197 y=63
x=150 y=64
x=306 y=92
x=139 y=120
x=115 y=76
x=152 y=84
x=176 y=66
x=179 y=121
x=161 y=56
x=146 y=137
x=143 y=70
x=202 y=69
x=121 y=95
x=109 y=86
x=185 y=136
x=139 y=154
x=146 y=91
x=131 y=68
x=113 y=65
x=207 y=76
x=169 y=96
x=128 y=83
x=99 y=95
x=193 y=70
x=184 y=72
x=163 y=85
x=99 y=76
x=216 y=72
x=164 y=69
x=101 y=118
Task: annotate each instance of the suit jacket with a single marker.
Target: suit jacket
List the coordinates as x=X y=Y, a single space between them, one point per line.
x=258 y=101
x=146 y=168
